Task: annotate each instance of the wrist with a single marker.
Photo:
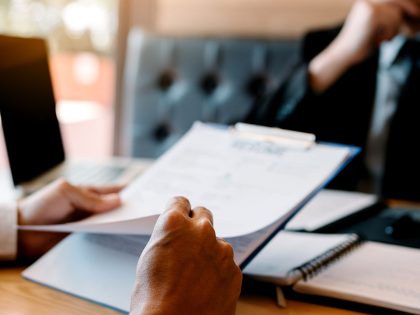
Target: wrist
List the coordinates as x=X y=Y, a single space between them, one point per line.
x=21 y=218
x=153 y=304
x=142 y=308
x=27 y=214
x=327 y=67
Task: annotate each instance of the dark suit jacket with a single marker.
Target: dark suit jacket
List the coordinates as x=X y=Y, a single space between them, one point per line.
x=343 y=115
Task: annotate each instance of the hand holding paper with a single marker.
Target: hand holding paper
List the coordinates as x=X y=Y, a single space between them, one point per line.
x=165 y=277
x=60 y=202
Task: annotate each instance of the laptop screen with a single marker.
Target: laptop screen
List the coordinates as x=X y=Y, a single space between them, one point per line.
x=27 y=108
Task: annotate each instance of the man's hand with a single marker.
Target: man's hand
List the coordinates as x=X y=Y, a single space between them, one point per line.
x=369 y=23
x=60 y=202
x=185 y=269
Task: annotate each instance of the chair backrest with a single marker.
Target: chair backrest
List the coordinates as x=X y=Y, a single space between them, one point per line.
x=171 y=82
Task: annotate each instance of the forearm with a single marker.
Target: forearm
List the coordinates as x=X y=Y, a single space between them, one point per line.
x=327 y=67
x=368 y=24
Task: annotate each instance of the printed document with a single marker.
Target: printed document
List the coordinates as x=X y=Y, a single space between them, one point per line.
x=329 y=206
x=247 y=184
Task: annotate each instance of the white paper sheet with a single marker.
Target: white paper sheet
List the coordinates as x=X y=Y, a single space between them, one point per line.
x=247 y=185
x=329 y=206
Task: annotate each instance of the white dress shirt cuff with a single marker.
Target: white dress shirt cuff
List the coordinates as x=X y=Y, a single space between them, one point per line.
x=8 y=231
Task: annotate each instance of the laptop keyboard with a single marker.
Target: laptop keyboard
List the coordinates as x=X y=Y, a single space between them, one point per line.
x=93 y=174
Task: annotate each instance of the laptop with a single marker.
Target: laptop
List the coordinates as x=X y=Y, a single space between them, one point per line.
x=31 y=129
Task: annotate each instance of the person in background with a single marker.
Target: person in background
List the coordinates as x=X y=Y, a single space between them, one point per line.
x=359 y=84
x=184 y=269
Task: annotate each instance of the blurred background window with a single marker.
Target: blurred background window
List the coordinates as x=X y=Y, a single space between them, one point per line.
x=81 y=38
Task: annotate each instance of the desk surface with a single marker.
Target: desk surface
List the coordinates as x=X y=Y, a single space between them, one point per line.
x=21 y=297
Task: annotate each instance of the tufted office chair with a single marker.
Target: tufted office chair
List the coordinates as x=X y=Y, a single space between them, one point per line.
x=171 y=82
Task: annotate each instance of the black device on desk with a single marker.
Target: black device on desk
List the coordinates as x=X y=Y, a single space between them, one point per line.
x=381 y=223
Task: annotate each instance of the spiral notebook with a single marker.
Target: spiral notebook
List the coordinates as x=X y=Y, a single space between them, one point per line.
x=382 y=275
x=292 y=256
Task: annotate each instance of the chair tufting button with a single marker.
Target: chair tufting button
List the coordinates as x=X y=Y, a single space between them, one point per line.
x=257 y=85
x=162 y=131
x=166 y=80
x=209 y=83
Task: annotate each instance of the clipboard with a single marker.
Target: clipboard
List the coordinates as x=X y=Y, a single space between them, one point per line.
x=53 y=263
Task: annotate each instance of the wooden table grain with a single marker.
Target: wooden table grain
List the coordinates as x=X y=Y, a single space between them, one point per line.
x=21 y=297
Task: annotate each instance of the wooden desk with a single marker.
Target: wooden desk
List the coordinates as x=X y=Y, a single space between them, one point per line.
x=22 y=297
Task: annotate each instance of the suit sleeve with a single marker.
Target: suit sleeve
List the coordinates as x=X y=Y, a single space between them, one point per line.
x=8 y=231
x=291 y=105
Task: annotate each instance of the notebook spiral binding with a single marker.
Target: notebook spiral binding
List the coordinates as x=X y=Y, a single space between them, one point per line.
x=316 y=265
